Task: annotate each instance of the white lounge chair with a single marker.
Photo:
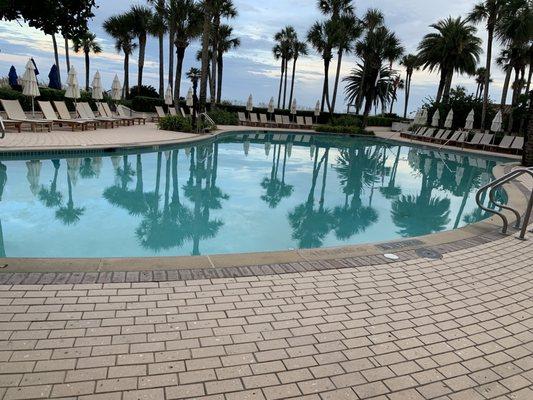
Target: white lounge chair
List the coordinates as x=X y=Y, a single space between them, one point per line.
x=15 y=113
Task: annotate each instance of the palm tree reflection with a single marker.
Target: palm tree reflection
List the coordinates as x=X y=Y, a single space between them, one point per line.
x=70 y=214
x=50 y=197
x=276 y=189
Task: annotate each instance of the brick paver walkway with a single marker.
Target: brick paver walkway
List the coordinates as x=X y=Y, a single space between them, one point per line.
x=456 y=328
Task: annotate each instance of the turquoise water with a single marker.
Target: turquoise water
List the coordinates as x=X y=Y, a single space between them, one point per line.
x=260 y=192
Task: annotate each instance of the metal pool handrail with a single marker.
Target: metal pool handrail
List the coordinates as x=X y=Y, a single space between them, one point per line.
x=498 y=183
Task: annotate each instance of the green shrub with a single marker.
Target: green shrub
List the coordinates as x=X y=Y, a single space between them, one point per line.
x=145 y=104
x=10 y=94
x=350 y=130
x=145 y=91
x=346 y=120
x=379 y=121
x=223 y=117
x=175 y=123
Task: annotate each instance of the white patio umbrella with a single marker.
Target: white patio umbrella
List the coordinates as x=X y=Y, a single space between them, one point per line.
x=271 y=106
x=435 y=120
x=73 y=87
x=97 y=93
x=469 y=125
x=116 y=89
x=416 y=118
x=246 y=147
x=29 y=84
x=189 y=101
x=497 y=123
x=293 y=107
x=250 y=103
x=317 y=111
x=423 y=118
x=449 y=120
x=168 y=96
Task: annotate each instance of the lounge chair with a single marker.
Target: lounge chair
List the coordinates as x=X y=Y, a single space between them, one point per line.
x=15 y=114
x=242 y=119
x=253 y=119
x=475 y=141
x=124 y=111
x=300 y=121
x=160 y=112
x=50 y=115
x=184 y=114
x=64 y=113
x=264 y=120
x=428 y=135
x=309 y=121
x=486 y=140
x=86 y=112
x=278 y=120
x=441 y=136
x=4 y=124
x=518 y=144
x=287 y=121
x=457 y=138
x=110 y=114
x=106 y=113
x=505 y=144
x=172 y=111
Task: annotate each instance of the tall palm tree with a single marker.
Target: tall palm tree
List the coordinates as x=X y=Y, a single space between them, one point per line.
x=321 y=36
x=226 y=42
x=488 y=11
x=161 y=27
x=298 y=49
x=67 y=53
x=186 y=18
x=88 y=44
x=278 y=55
x=481 y=80
x=397 y=83
x=207 y=7
x=284 y=51
x=454 y=47
x=119 y=27
x=56 y=57
x=220 y=9
x=392 y=52
x=411 y=63
x=143 y=25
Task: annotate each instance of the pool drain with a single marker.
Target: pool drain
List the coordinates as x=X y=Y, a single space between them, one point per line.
x=428 y=253
x=391 y=256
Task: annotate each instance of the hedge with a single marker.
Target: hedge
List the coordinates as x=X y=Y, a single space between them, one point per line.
x=350 y=130
x=223 y=117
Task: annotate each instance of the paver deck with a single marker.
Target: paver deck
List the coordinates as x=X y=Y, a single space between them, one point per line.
x=456 y=328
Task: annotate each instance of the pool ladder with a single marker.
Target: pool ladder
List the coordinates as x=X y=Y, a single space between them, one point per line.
x=492 y=186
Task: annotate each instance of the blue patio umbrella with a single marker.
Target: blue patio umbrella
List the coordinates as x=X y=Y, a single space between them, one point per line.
x=13 y=77
x=53 y=77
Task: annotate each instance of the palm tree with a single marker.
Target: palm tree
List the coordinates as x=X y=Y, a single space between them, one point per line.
x=284 y=50
x=161 y=27
x=454 y=47
x=298 y=49
x=56 y=57
x=143 y=25
x=397 y=83
x=411 y=63
x=322 y=36
x=488 y=11
x=220 y=9
x=185 y=18
x=226 y=42
x=392 y=52
x=88 y=44
x=119 y=27
x=480 y=80
x=67 y=53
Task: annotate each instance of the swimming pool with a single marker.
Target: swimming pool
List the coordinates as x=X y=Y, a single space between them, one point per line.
x=237 y=193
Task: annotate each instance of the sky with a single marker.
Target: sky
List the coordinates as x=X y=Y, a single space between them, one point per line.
x=251 y=69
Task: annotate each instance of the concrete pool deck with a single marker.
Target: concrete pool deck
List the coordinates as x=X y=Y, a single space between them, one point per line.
x=343 y=323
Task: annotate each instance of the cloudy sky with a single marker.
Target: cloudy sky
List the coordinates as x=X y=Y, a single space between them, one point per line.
x=251 y=68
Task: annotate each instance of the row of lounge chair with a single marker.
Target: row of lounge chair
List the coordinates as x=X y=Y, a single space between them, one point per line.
x=61 y=116
x=171 y=111
x=280 y=121
x=476 y=140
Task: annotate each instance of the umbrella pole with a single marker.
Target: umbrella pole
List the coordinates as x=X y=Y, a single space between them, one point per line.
x=33 y=106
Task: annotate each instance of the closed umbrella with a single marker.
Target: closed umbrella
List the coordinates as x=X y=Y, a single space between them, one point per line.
x=423 y=117
x=497 y=123
x=97 y=87
x=469 y=125
x=416 y=118
x=271 y=106
x=73 y=87
x=435 y=120
x=168 y=96
x=449 y=120
x=317 y=111
x=116 y=89
x=293 y=107
x=250 y=103
x=29 y=84
x=189 y=101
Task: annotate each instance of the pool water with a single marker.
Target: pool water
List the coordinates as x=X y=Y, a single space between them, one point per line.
x=238 y=193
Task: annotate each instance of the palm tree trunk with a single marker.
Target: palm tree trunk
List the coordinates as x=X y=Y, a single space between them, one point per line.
x=87 y=72
x=171 y=46
x=214 y=49
x=505 y=89
x=326 y=84
x=281 y=81
x=285 y=83
x=180 y=52
x=126 y=88
x=337 y=77
x=528 y=84
x=292 y=80
x=516 y=93
x=205 y=52
x=56 y=56
x=220 y=68
x=161 y=66
x=447 y=87
x=527 y=159
x=442 y=83
x=487 y=75
x=407 y=93
x=142 y=52
x=67 y=54
x=393 y=98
